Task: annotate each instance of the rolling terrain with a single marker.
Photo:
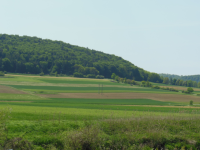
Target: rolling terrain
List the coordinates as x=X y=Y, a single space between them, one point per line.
x=80 y=113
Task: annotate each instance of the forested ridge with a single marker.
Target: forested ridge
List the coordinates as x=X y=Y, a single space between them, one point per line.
x=185 y=78
x=24 y=54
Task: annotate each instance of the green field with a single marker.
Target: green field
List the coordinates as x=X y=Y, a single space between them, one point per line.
x=91 y=123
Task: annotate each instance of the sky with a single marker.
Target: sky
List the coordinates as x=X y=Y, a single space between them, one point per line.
x=161 y=36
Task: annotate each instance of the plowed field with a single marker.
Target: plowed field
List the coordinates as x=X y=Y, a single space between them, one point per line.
x=5 y=89
x=160 y=97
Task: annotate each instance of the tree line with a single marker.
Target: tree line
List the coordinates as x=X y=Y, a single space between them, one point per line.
x=179 y=82
x=24 y=54
x=184 y=78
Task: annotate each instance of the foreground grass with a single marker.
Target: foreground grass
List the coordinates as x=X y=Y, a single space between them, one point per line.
x=103 y=129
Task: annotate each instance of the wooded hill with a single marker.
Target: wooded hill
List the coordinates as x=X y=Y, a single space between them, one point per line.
x=24 y=54
x=185 y=78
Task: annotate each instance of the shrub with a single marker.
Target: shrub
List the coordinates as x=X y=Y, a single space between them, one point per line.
x=42 y=73
x=4 y=116
x=52 y=74
x=5 y=72
x=19 y=143
x=1 y=73
x=100 y=77
x=77 y=74
x=156 y=87
x=172 y=89
x=90 y=76
x=190 y=90
x=47 y=141
x=191 y=102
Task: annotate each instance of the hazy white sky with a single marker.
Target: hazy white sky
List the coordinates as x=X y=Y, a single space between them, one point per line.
x=161 y=36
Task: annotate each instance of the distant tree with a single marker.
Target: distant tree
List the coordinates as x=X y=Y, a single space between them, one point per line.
x=198 y=84
x=166 y=80
x=30 y=67
x=154 y=77
x=174 y=81
x=170 y=80
x=124 y=80
x=113 y=76
x=6 y=63
x=1 y=73
x=189 y=83
x=177 y=82
x=181 y=83
x=191 y=102
x=195 y=84
x=42 y=73
x=190 y=90
x=148 y=84
x=117 y=78
x=184 y=83
x=143 y=83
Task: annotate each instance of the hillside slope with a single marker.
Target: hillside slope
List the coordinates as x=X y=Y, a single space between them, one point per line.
x=24 y=54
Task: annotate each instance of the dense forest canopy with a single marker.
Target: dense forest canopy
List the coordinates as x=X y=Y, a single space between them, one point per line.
x=185 y=78
x=24 y=54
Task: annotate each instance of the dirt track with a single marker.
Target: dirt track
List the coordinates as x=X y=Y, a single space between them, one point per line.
x=6 y=89
x=160 y=97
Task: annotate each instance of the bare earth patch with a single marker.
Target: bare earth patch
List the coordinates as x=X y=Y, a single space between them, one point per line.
x=162 y=106
x=180 y=88
x=62 y=85
x=5 y=89
x=159 y=97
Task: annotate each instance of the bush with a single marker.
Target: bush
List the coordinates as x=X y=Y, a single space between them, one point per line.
x=186 y=92
x=100 y=77
x=47 y=141
x=172 y=89
x=90 y=76
x=5 y=72
x=42 y=73
x=77 y=74
x=156 y=87
x=191 y=102
x=190 y=90
x=4 y=116
x=1 y=73
x=52 y=74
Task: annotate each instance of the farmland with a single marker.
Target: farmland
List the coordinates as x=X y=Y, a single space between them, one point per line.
x=73 y=113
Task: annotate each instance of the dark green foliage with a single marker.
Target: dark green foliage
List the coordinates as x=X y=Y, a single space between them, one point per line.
x=190 y=90
x=77 y=74
x=189 y=81
x=156 y=87
x=163 y=88
x=100 y=77
x=42 y=73
x=191 y=102
x=91 y=76
x=23 y=54
x=49 y=140
x=191 y=77
x=1 y=73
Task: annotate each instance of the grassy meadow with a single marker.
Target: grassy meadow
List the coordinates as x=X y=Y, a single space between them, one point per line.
x=43 y=112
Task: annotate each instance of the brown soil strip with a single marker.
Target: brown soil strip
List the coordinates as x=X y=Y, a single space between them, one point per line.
x=57 y=77
x=180 y=88
x=63 y=85
x=162 y=106
x=159 y=97
x=6 y=89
